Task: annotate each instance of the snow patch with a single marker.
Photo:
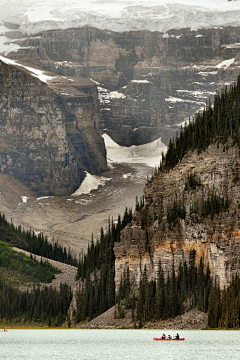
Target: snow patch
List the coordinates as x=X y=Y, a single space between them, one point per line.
x=95 y=82
x=90 y=182
x=116 y=95
x=44 y=197
x=176 y=100
x=233 y=46
x=24 y=199
x=34 y=72
x=7 y=45
x=125 y=176
x=105 y=96
x=141 y=81
x=225 y=64
x=149 y=154
x=206 y=73
x=197 y=93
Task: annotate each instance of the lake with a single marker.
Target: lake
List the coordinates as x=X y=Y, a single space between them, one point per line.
x=79 y=344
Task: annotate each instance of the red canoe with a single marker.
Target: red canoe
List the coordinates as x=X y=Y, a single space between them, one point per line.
x=168 y=339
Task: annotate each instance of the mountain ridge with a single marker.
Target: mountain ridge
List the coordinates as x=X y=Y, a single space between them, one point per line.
x=48 y=128
x=120 y=16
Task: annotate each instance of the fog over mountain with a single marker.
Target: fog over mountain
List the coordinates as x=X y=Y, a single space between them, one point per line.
x=156 y=15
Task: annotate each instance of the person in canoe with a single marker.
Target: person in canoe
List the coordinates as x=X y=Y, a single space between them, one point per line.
x=177 y=336
x=169 y=336
x=163 y=336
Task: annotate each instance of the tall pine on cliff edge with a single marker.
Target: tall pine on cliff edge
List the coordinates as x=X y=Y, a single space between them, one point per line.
x=216 y=124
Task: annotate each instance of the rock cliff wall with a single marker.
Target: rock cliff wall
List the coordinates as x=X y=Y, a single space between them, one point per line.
x=48 y=134
x=160 y=78
x=216 y=239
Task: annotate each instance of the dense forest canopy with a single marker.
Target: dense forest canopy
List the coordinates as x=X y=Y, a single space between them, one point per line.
x=96 y=270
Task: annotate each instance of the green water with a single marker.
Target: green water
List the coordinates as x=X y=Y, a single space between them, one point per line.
x=117 y=345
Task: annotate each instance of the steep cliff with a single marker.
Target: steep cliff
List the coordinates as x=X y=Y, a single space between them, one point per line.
x=156 y=80
x=48 y=128
x=152 y=236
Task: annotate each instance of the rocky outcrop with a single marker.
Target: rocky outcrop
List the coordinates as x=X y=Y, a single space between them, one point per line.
x=48 y=134
x=216 y=238
x=190 y=320
x=164 y=77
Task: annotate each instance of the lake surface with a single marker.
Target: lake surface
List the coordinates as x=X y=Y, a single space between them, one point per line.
x=117 y=345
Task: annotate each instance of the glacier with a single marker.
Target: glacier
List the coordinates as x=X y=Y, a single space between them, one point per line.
x=117 y=15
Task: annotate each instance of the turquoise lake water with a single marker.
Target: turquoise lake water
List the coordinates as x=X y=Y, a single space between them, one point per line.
x=117 y=345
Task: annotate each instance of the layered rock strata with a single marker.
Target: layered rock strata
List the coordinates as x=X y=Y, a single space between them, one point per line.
x=160 y=78
x=215 y=239
x=48 y=134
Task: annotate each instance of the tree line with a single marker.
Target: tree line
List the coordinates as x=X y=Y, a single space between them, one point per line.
x=35 y=244
x=224 y=306
x=216 y=124
x=166 y=296
x=46 y=306
x=191 y=286
x=17 y=268
x=96 y=270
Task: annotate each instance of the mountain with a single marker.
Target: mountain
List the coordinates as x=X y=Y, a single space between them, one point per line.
x=148 y=82
x=180 y=248
x=154 y=64
x=48 y=128
x=193 y=200
x=155 y=15
x=134 y=73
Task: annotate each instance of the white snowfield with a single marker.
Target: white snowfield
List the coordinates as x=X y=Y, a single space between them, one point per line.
x=90 y=182
x=119 y=15
x=149 y=154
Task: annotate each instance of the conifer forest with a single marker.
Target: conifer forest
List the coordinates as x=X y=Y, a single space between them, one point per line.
x=168 y=295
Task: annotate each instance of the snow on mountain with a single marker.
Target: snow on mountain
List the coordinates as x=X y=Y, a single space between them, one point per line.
x=90 y=182
x=225 y=64
x=118 y=15
x=34 y=72
x=149 y=154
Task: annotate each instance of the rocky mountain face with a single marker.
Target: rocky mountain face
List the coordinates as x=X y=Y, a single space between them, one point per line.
x=151 y=238
x=48 y=134
x=148 y=82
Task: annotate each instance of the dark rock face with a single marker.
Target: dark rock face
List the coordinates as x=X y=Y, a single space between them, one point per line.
x=164 y=78
x=48 y=134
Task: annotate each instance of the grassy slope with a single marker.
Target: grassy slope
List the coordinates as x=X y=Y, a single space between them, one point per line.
x=18 y=269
